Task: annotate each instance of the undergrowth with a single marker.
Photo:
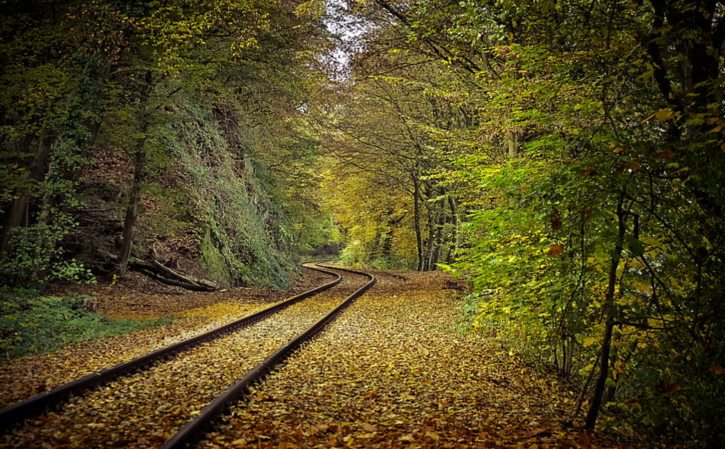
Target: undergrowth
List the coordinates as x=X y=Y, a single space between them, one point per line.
x=243 y=239
x=33 y=324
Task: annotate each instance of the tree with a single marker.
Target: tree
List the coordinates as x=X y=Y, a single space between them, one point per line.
x=587 y=158
x=131 y=84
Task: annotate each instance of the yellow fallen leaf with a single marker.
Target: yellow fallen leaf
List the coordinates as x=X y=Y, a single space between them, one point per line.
x=432 y=435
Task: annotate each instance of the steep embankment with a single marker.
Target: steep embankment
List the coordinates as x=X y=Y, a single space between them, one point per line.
x=207 y=207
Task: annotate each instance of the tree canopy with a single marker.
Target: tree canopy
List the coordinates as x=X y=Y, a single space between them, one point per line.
x=567 y=158
x=564 y=157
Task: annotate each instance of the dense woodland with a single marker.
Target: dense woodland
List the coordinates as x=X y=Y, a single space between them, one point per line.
x=138 y=127
x=565 y=157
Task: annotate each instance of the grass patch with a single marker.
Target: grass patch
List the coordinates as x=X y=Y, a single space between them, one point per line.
x=34 y=324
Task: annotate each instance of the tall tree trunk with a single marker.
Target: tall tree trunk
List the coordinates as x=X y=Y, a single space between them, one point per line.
x=377 y=245
x=129 y=222
x=430 y=242
x=387 y=249
x=610 y=310
x=19 y=210
x=512 y=143
x=386 y=242
x=416 y=221
x=453 y=204
x=440 y=223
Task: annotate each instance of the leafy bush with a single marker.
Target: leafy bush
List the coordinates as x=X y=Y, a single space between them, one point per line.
x=33 y=324
x=34 y=253
x=72 y=271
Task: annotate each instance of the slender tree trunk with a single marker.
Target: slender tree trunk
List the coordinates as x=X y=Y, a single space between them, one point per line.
x=567 y=355
x=19 y=211
x=512 y=142
x=377 y=245
x=129 y=222
x=610 y=310
x=387 y=249
x=430 y=241
x=440 y=222
x=386 y=238
x=416 y=222
x=456 y=222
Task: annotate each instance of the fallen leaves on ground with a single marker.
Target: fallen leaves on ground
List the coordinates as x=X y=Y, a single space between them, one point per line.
x=393 y=372
x=193 y=313
x=146 y=408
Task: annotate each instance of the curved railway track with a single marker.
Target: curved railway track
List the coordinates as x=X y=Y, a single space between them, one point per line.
x=130 y=376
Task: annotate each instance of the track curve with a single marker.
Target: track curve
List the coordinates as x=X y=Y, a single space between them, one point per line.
x=146 y=408
x=16 y=413
x=194 y=429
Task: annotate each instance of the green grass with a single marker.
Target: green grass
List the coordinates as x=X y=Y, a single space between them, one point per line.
x=34 y=324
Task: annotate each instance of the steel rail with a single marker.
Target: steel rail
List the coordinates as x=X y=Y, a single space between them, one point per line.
x=47 y=400
x=195 y=428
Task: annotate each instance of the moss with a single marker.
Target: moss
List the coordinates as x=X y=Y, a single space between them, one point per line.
x=171 y=212
x=243 y=239
x=213 y=262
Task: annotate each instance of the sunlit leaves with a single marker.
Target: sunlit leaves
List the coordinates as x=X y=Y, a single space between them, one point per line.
x=145 y=408
x=390 y=373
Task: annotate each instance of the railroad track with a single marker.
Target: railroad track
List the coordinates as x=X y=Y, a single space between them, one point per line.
x=283 y=340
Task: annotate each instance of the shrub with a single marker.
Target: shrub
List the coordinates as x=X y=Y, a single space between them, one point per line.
x=33 y=324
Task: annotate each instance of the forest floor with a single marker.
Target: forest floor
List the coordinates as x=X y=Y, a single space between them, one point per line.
x=137 y=297
x=392 y=371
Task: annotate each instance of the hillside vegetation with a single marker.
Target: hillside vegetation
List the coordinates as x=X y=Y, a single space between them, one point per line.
x=564 y=158
x=138 y=128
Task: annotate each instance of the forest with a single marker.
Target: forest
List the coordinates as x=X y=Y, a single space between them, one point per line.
x=563 y=160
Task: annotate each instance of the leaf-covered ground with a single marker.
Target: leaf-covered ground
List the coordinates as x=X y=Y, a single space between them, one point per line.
x=138 y=298
x=144 y=409
x=393 y=371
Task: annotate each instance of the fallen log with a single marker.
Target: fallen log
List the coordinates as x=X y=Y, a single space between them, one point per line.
x=155 y=273
x=161 y=273
x=170 y=272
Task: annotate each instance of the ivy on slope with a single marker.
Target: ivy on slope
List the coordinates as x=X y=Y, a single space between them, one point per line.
x=238 y=242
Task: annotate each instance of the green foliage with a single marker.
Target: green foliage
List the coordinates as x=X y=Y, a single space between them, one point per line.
x=382 y=187
x=220 y=82
x=34 y=252
x=71 y=271
x=171 y=213
x=34 y=324
x=588 y=158
x=215 y=264
x=230 y=206
x=28 y=259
